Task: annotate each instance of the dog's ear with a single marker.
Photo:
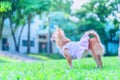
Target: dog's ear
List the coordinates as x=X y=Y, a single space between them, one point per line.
x=61 y=32
x=58 y=30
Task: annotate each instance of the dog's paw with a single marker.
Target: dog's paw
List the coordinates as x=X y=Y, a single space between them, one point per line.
x=99 y=66
x=71 y=67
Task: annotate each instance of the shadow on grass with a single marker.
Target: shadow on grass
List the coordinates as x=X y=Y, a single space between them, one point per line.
x=45 y=56
x=3 y=61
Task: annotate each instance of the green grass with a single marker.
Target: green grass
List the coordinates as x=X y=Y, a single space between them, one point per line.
x=44 y=56
x=84 y=69
x=7 y=59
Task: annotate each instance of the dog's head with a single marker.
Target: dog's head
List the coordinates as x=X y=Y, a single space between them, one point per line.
x=57 y=35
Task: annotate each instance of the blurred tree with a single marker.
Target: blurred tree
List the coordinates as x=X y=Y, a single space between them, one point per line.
x=60 y=13
x=20 y=12
x=60 y=5
x=30 y=8
x=5 y=6
x=95 y=14
x=57 y=13
x=16 y=18
x=63 y=21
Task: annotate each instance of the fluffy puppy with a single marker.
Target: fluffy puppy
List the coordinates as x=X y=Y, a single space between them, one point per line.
x=71 y=50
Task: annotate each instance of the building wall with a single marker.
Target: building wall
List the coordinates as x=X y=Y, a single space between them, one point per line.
x=113 y=47
x=33 y=36
x=34 y=28
x=34 y=49
x=6 y=34
x=11 y=44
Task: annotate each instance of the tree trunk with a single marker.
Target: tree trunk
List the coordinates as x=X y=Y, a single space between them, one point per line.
x=28 y=35
x=1 y=26
x=13 y=35
x=19 y=38
x=106 y=47
x=48 y=43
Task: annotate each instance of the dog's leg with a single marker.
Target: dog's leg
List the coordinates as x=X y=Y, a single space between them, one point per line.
x=98 y=61
x=67 y=56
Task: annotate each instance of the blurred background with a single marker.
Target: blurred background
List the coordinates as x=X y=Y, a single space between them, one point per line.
x=27 y=25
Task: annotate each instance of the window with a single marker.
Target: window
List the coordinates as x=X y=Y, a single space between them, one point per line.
x=32 y=43
x=42 y=36
x=24 y=43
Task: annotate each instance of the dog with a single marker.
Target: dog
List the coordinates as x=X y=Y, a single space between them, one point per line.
x=71 y=50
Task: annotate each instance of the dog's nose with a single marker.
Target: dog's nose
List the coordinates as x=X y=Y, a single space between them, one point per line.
x=52 y=40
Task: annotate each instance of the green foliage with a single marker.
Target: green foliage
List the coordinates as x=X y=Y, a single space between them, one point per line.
x=35 y=6
x=60 y=5
x=59 y=70
x=5 y=6
x=23 y=9
x=95 y=14
x=101 y=8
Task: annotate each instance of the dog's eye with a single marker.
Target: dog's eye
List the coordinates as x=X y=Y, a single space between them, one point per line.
x=53 y=41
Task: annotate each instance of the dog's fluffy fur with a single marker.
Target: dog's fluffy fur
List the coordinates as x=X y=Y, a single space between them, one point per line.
x=95 y=45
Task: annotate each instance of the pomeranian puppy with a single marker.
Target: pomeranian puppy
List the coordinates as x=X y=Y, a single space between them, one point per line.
x=71 y=50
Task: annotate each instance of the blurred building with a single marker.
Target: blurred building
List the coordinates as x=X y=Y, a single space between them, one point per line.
x=113 y=41
x=38 y=38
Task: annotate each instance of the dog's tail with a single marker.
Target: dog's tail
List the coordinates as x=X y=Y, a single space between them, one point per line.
x=94 y=33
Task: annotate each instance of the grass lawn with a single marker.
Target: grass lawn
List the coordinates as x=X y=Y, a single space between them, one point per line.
x=84 y=69
x=6 y=60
